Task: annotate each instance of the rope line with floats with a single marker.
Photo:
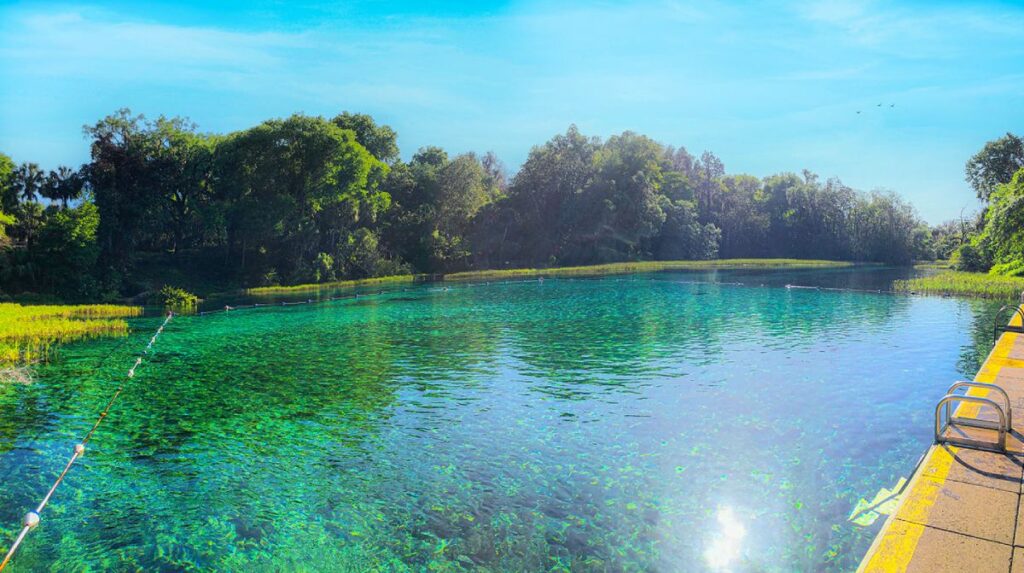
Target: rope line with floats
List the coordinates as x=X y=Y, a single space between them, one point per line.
x=31 y=519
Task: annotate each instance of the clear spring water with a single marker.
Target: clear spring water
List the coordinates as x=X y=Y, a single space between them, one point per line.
x=641 y=423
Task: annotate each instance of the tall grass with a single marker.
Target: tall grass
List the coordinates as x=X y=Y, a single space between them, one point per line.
x=396 y=279
x=934 y=265
x=646 y=267
x=29 y=333
x=960 y=283
x=591 y=270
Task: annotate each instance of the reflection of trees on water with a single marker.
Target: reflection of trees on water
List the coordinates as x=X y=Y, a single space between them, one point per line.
x=599 y=333
x=580 y=337
x=983 y=316
x=813 y=315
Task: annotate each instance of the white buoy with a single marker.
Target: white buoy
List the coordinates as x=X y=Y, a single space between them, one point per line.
x=31 y=519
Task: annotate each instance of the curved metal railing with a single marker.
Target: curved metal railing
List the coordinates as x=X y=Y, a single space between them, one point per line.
x=999 y=327
x=942 y=425
x=984 y=386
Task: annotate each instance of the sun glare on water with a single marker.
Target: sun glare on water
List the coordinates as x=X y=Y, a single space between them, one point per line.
x=727 y=543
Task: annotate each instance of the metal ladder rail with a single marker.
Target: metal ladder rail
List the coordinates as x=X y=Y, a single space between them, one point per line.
x=999 y=327
x=941 y=426
x=972 y=421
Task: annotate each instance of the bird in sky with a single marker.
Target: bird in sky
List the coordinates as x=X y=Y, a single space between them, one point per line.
x=879 y=105
x=858 y=112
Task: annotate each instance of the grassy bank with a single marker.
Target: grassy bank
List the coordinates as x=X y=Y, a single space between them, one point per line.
x=294 y=289
x=934 y=265
x=965 y=284
x=28 y=333
x=592 y=270
x=645 y=267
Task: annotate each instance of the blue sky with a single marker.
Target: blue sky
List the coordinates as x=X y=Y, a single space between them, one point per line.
x=769 y=87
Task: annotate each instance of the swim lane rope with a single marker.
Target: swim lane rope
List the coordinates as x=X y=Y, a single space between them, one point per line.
x=31 y=519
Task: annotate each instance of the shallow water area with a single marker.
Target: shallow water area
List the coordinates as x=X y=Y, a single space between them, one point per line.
x=665 y=422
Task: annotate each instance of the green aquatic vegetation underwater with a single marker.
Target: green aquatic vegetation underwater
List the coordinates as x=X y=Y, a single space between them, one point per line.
x=959 y=283
x=566 y=425
x=28 y=333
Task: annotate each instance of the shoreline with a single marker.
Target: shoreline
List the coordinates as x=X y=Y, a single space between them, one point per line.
x=586 y=270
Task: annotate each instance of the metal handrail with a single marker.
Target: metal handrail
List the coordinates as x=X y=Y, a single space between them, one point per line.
x=940 y=428
x=998 y=328
x=984 y=386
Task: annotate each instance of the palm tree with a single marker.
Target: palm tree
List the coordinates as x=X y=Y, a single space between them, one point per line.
x=28 y=181
x=62 y=185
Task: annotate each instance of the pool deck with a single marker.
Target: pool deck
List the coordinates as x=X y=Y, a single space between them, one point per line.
x=961 y=510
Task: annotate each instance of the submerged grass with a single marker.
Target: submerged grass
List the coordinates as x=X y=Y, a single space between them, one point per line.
x=960 y=283
x=591 y=270
x=28 y=333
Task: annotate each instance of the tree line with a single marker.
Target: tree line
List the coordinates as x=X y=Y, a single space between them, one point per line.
x=313 y=199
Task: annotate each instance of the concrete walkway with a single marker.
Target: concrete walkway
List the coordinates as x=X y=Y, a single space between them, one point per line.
x=961 y=510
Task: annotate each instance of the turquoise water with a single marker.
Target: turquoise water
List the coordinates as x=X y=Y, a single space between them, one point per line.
x=644 y=423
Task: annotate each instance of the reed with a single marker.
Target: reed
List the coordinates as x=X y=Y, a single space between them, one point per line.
x=957 y=283
x=29 y=333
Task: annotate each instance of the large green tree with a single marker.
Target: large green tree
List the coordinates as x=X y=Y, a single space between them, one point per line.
x=542 y=195
x=295 y=188
x=65 y=254
x=619 y=208
x=8 y=194
x=8 y=199
x=183 y=162
x=1003 y=236
x=995 y=164
x=741 y=217
x=380 y=140
x=437 y=200
x=124 y=184
x=884 y=229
